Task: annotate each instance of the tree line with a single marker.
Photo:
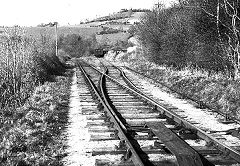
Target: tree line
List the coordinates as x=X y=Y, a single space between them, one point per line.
x=75 y=45
x=199 y=33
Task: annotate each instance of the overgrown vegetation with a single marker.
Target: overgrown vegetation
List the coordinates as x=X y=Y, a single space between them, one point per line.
x=34 y=100
x=25 y=63
x=31 y=135
x=197 y=33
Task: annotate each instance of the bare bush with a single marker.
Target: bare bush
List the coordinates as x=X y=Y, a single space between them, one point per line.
x=25 y=63
x=200 y=33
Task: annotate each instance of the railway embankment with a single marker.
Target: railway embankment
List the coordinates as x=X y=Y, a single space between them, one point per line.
x=215 y=91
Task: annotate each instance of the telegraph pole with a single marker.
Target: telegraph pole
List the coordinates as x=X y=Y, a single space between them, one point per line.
x=56 y=38
x=158 y=8
x=158 y=5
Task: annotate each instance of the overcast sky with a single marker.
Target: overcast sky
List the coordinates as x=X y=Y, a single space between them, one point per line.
x=34 y=12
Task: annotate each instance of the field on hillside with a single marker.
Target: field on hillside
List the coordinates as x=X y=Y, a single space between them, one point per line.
x=122 y=23
x=85 y=32
x=37 y=32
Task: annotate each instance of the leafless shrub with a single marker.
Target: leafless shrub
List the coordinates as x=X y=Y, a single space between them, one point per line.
x=24 y=63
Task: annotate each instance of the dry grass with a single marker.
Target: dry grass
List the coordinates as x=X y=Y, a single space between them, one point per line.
x=32 y=134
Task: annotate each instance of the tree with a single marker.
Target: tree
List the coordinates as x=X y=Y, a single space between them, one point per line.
x=129 y=13
x=229 y=18
x=168 y=35
x=225 y=14
x=75 y=45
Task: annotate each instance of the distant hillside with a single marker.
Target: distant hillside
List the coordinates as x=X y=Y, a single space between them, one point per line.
x=123 y=14
x=115 y=26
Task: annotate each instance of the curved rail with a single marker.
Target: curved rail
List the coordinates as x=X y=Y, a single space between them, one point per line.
x=199 y=132
x=137 y=160
x=224 y=148
x=200 y=103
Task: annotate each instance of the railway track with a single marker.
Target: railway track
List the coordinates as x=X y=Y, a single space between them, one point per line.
x=226 y=117
x=145 y=132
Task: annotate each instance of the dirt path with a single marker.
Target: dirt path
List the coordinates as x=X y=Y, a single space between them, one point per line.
x=77 y=133
x=78 y=136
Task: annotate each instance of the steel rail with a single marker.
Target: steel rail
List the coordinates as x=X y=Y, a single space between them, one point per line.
x=234 y=154
x=205 y=105
x=175 y=91
x=121 y=132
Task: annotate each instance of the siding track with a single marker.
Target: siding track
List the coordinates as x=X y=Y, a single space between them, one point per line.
x=147 y=133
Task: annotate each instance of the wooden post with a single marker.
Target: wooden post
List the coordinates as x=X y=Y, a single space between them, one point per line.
x=158 y=8
x=56 y=38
